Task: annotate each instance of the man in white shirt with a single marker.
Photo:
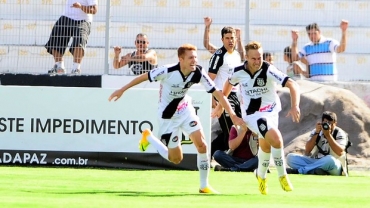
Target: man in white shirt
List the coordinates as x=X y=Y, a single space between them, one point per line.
x=76 y=23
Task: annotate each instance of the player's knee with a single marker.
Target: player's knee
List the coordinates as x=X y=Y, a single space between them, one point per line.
x=175 y=160
x=202 y=147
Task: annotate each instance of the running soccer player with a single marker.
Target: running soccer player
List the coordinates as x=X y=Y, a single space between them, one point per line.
x=176 y=112
x=260 y=109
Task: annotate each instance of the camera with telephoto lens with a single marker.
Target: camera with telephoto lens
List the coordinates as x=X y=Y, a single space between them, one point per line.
x=325 y=126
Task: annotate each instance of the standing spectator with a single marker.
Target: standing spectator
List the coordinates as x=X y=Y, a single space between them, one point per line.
x=140 y=61
x=219 y=141
x=212 y=48
x=242 y=155
x=220 y=66
x=320 y=53
x=257 y=80
x=176 y=112
x=295 y=69
x=74 y=23
x=269 y=57
x=325 y=150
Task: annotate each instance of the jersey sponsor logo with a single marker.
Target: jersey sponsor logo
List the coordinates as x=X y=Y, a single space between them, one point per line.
x=178 y=93
x=260 y=82
x=182 y=107
x=256 y=91
x=175 y=139
x=193 y=123
x=268 y=108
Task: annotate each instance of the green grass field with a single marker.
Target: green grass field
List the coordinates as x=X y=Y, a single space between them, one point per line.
x=67 y=187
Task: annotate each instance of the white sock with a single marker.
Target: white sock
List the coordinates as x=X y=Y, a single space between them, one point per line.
x=60 y=64
x=76 y=65
x=159 y=146
x=263 y=163
x=278 y=155
x=203 y=167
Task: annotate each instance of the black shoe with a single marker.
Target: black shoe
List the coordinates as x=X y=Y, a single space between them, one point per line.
x=292 y=171
x=318 y=171
x=220 y=168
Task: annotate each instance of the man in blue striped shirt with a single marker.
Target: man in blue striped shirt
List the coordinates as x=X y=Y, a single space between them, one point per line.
x=320 y=53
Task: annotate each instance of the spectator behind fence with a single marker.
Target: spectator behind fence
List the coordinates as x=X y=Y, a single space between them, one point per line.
x=140 y=61
x=320 y=53
x=212 y=48
x=260 y=106
x=295 y=69
x=220 y=65
x=325 y=150
x=74 y=23
x=242 y=155
x=176 y=112
x=218 y=141
x=269 y=57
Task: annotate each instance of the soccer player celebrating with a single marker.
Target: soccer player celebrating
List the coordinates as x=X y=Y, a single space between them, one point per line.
x=176 y=112
x=260 y=109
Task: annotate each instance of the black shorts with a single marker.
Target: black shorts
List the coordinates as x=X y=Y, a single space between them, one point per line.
x=65 y=29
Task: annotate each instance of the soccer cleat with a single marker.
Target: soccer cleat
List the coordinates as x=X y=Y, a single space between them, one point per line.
x=144 y=143
x=56 y=70
x=220 y=168
x=262 y=184
x=285 y=183
x=76 y=72
x=208 y=190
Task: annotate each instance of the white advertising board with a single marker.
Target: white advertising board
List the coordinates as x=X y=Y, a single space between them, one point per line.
x=82 y=119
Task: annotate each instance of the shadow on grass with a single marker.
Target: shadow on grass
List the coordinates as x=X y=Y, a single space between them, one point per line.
x=140 y=193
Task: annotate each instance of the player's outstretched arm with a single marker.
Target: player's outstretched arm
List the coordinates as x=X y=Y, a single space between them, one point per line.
x=219 y=108
x=225 y=103
x=118 y=93
x=295 y=99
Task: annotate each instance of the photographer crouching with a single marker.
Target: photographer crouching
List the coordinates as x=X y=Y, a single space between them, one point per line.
x=325 y=150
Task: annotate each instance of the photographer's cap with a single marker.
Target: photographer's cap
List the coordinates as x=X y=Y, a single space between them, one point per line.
x=330 y=116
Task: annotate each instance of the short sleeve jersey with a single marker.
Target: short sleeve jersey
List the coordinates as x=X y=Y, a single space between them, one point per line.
x=78 y=14
x=257 y=92
x=174 y=86
x=323 y=145
x=221 y=64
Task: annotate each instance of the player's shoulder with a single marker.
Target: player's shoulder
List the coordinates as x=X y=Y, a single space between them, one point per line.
x=172 y=67
x=239 y=67
x=220 y=52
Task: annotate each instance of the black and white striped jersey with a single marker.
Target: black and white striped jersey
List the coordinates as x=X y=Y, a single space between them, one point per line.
x=174 y=86
x=221 y=64
x=257 y=92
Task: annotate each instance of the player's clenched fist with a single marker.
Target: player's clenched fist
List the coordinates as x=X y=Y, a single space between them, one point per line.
x=117 y=50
